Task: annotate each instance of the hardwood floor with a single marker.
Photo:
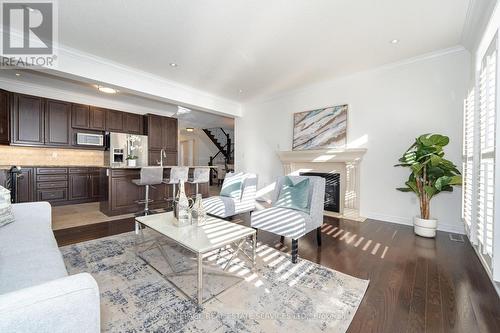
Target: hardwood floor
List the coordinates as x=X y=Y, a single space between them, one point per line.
x=416 y=284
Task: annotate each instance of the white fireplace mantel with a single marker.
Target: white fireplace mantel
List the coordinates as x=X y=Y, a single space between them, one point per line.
x=342 y=161
x=323 y=155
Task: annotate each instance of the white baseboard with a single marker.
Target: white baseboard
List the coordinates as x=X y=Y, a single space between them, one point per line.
x=457 y=229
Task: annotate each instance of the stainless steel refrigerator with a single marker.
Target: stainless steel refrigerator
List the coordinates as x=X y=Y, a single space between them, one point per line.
x=121 y=145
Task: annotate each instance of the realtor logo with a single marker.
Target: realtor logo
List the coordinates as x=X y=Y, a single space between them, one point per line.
x=28 y=35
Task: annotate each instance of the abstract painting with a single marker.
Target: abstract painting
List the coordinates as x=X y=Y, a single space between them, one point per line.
x=319 y=129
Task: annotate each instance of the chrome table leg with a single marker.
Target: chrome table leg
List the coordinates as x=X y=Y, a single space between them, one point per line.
x=200 y=279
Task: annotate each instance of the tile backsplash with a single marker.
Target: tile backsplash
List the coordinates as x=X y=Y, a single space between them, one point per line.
x=28 y=156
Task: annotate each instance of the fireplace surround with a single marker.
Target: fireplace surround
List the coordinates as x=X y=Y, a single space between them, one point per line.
x=344 y=162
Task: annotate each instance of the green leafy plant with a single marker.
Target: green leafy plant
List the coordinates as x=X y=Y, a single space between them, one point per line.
x=431 y=173
x=132 y=157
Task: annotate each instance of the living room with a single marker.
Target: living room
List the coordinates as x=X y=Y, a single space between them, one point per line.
x=249 y=166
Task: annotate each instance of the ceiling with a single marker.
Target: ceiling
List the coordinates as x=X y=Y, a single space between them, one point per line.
x=37 y=83
x=261 y=47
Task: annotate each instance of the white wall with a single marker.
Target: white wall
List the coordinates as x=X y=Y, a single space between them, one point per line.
x=388 y=108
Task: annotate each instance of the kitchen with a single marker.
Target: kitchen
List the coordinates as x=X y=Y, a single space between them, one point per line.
x=81 y=158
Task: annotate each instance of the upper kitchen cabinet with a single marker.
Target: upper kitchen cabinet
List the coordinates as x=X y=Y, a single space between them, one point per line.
x=162 y=132
x=153 y=130
x=4 y=117
x=27 y=118
x=57 y=123
x=114 y=121
x=133 y=123
x=88 y=117
x=80 y=116
x=169 y=133
x=97 y=118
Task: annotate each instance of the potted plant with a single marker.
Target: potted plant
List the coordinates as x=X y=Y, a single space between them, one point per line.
x=430 y=174
x=132 y=160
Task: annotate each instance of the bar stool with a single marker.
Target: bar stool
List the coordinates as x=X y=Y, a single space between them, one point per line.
x=177 y=174
x=149 y=176
x=200 y=176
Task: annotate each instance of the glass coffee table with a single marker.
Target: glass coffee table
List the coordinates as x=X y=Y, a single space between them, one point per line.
x=215 y=234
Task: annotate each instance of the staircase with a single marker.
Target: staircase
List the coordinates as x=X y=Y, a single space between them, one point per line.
x=222 y=140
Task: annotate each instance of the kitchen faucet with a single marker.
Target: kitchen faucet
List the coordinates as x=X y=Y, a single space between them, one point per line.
x=162 y=155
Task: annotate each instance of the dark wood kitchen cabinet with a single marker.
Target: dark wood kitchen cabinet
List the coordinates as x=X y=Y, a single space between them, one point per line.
x=59 y=185
x=154 y=132
x=57 y=123
x=162 y=134
x=79 y=185
x=88 y=117
x=97 y=118
x=114 y=121
x=154 y=157
x=124 y=193
x=132 y=123
x=25 y=185
x=95 y=185
x=169 y=133
x=27 y=119
x=84 y=184
x=80 y=116
x=4 y=117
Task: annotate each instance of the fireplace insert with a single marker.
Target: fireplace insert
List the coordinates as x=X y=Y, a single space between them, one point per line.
x=332 y=189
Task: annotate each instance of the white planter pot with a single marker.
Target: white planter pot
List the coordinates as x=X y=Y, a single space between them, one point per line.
x=425 y=228
x=132 y=163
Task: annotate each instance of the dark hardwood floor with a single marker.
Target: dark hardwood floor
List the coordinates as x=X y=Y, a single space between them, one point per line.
x=416 y=284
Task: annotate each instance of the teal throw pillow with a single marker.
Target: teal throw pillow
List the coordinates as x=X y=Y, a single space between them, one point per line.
x=294 y=196
x=232 y=187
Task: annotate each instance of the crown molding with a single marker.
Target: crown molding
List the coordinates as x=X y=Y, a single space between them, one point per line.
x=476 y=20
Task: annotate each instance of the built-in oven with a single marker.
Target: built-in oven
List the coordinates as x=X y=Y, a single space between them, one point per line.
x=89 y=139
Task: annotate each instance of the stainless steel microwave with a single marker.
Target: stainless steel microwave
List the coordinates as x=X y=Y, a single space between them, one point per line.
x=89 y=139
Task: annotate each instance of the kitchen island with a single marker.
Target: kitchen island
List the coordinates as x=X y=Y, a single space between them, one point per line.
x=120 y=195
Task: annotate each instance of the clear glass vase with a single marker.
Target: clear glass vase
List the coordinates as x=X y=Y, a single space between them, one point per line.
x=182 y=208
x=198 y=212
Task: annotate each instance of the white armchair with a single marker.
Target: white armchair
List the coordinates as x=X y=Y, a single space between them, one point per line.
x=293 y=223
x=241 y=201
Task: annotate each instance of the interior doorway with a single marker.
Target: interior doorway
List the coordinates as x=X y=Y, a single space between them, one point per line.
x=187 y=152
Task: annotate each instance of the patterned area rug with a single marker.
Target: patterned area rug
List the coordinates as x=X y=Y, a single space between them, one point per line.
x=275 y=296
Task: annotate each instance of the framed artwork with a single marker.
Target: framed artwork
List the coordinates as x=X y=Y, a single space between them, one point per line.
x=320 y=129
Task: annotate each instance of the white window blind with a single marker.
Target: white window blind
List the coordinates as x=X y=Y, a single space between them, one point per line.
x=486 y=179
x=468 y=208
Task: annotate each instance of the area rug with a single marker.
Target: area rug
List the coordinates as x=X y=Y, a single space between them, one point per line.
x=275 y=296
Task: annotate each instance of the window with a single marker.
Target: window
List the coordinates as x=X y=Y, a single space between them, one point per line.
x=487 y=124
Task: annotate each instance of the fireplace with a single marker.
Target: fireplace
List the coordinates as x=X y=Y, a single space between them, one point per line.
x=332 y=189
x=341 y=168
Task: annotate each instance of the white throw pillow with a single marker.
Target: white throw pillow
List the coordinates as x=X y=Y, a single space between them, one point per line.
x=6 y=214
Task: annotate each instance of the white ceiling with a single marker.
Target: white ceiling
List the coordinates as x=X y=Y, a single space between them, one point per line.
x=49 y=86
x=264 y=47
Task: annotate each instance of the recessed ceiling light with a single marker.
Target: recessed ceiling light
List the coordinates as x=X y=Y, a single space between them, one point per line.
x=173 y=64
x=240 y=91
x=394 y=41
x=189 y=129
x=18 y=74
x=107 y=90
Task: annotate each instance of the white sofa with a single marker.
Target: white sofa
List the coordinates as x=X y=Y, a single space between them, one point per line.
x=36 y=293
